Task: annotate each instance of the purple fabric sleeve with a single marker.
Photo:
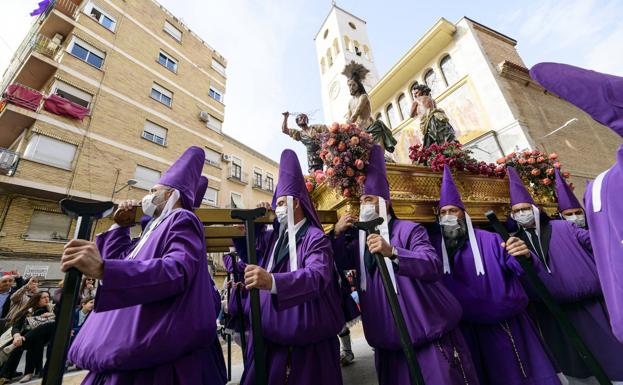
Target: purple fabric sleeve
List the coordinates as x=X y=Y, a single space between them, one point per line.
x=115 y=243
x=420 y=260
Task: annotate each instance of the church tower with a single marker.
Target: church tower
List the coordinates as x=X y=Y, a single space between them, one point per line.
x=343 y=37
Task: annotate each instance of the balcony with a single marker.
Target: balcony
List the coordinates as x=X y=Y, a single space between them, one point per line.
x=34 y=63
x=265 y=186
x=237 y=175
x=8 y=162
x=17 y=112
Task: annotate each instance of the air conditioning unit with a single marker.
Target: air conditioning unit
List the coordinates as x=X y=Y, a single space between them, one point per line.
x=58 y=39
x=204 y=116
x=227 y=158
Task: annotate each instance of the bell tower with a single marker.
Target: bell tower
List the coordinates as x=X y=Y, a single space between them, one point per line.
x=342 y=37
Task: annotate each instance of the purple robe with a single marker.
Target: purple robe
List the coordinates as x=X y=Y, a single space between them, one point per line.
x=574 y=283
x=431 y=313
x=503 y=340
x=606 y=230
x=301 y=322
x=154 y=319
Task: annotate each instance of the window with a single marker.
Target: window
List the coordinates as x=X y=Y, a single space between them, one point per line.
x=336 y=46
x=392 y=119
x=403 y=105
x=448 y=70
x=211 y=197
x=162 y=95
x=236 y=201
x=215 y=94
x=346 y=43
x=71 y=93
x=213 y=158
x=236 y=168
x=167 y=61
x=329 y=57
x=270 y=182
x=87 y=53
x=46 y=226
x=322 y=66
x=101 y=17
x=257 y=178
x=214 y=124
x=155 y=133
x=145 y=177
x=218 y=67
x=432 y=82
x=172 y=31
x=50 y=151
x=366 y=52
x=352 y=25
x=357 y=50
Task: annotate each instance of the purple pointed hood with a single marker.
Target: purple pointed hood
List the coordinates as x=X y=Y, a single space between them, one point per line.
x=566 y=198
x=376 y=174
x=449 y=194
x=184 y=174
x=519 y=193
x=291 y=182
x=202 y=187
x=599 y=95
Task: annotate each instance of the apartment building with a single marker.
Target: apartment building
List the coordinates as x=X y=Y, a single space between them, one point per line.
x=98 y=101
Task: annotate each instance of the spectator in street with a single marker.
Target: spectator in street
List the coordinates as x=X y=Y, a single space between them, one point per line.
x=87 y=288
x=56 y=295
x=81 y=315
x=32 y=328
x=20 y=298
x=9 y=283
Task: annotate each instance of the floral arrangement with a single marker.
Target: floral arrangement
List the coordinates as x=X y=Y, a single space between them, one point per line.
x=454 y=156
x=345 y=152
x=536 y=169
x=313 y=180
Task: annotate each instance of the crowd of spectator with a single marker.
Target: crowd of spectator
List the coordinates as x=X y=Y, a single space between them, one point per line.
x=27 y=323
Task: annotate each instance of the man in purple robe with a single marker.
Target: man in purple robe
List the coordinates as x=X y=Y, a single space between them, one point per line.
x=154 y=320
x=431 y=313
x=564 y=262
x=300 y=305
x=484 y=277
x=569 y=207
x=601 y=96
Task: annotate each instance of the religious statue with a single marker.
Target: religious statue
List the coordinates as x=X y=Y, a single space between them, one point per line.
x=359 y=110
x=309 y=136
x=434 y=123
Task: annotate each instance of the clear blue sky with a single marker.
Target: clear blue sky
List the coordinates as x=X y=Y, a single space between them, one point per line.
x=272 y=61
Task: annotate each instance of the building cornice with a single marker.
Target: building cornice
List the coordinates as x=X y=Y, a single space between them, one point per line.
x=250 y=150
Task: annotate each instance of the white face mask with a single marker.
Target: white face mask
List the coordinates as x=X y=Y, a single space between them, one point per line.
x=450 y=222
x=367 y=212
x=149 y=207
x=579 y=220
x=282 y=214
x=524 y=218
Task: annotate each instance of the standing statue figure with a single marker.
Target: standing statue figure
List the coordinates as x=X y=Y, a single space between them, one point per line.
x=309 y=136
x=359 y=110
x=434 y=123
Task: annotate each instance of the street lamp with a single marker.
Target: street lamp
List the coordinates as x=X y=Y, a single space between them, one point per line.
x=130 y=182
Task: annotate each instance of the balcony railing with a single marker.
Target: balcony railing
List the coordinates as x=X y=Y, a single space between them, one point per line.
x=20 y=95
x=8 y=162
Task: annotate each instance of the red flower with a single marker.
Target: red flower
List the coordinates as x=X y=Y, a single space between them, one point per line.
x=546 y=181
x=354 y=140
x=330 y=172
x=336 y=161
x=361 y=179
x=359 y=164
x=341 y=147
x=557 y=165
x=553 y=156
x=331 y=142
x=501 y=161
x=310 y=186
x=347 y=193
x=527 y=153
x=550 y=171
x=335 y=127
x=531 y=161
x=350 y=172
x=540 y=159
x=521 y=161
x=566 y=174
x=320 y=178
x=511 y=155
x=535 y=172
